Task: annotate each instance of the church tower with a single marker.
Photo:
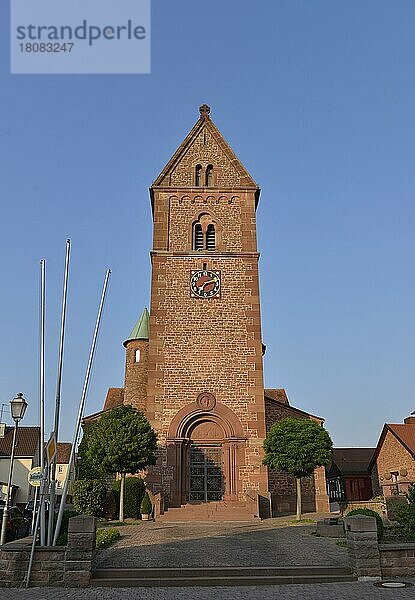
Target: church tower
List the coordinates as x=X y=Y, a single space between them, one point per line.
x=194 y=364
x=205 y=393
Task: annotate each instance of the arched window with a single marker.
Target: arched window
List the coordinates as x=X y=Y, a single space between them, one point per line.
x=137 y=356
x=209 y=176
x=197 y=237
x=210 y=237
x=198 y=175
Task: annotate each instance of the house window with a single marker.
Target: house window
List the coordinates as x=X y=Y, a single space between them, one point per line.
x=59 y=484
x=60 y=469
x=137 y=356
x=209 y=176
x=198 y=175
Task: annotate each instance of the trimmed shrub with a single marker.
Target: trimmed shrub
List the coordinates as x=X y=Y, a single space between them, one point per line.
x=369 y=513
x=146 y=506
x=89 y=496
x=411 y=494
x=106 y=537
x=63 y=535
x=133 y=495
x=405 y=515
x=391 y=503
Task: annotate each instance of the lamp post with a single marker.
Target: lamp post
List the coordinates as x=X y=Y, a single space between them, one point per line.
x=18 y=408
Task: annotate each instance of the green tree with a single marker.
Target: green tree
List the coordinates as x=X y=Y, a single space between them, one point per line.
x=297 y=446
x=85 y=468
x=122 y=441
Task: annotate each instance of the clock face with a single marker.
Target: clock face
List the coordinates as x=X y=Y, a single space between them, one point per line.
x=204 y=284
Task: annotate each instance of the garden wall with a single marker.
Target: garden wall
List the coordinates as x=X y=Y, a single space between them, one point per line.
x=64 y=566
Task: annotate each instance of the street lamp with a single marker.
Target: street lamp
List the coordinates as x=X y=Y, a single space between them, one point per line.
x=18 y=408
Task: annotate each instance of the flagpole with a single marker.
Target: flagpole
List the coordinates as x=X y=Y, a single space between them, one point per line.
x=42 y=389
x=58 y=392
x=81 y=409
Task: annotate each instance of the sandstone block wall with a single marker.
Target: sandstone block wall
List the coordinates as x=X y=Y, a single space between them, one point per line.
x=393 y=457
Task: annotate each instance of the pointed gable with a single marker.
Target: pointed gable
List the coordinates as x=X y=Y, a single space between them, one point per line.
x=204 y=146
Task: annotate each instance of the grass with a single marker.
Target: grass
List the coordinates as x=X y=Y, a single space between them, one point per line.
x=341 y=542
x=106 y=524
x=106 y=537
x=301 y=522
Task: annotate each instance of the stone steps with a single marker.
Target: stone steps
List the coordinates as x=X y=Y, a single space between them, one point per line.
x=214 y=576
x=211 y=511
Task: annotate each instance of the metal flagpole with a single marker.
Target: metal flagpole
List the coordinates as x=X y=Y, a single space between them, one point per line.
x=34 y=533
x=34 y=510
x=81 y=409
x=42 y=390
x=58 y=393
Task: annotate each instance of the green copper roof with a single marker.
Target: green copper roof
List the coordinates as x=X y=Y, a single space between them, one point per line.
x=141 y=328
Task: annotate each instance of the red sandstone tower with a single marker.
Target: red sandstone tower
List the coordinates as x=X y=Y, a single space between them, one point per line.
x=205 y=394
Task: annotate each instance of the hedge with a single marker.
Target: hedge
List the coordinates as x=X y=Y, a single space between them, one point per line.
x=89 y=496
x=133 y=495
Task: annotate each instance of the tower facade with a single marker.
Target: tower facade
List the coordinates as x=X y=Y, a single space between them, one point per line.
x=205 y=394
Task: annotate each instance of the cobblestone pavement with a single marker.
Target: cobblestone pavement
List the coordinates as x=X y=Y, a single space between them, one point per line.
x=332 y=591
x=219 y=544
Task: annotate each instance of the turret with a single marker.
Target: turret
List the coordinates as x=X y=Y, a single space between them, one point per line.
x=136 y=363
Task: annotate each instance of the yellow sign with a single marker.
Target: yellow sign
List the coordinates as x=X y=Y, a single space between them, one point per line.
x=51 y=449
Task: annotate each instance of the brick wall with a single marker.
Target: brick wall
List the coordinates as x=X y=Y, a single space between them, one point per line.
x=393 y=457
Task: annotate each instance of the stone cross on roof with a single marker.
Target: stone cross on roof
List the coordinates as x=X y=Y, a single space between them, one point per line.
x=204 y=111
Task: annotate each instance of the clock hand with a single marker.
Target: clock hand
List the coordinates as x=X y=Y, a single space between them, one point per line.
x=201 y=288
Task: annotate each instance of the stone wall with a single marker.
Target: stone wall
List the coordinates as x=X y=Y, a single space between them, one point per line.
x=60 y=566
x=372 y=560
x=377 y=506
x=397 y=560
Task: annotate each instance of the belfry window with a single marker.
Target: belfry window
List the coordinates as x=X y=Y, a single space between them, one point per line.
x=209 y=176
x=198 y=175
x=198 y=237
x=210 y=237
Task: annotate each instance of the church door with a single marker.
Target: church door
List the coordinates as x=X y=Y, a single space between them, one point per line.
x=205 y=473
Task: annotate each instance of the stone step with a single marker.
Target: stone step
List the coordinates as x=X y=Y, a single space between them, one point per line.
x=158 y=572
x=227 y=576
x=211 y=511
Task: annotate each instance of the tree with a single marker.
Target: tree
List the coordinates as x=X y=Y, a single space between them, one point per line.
x=297 y=446
x=122 y=441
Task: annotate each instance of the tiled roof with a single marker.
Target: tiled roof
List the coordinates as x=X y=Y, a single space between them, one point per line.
x=64 y=451
x=26 y=444
x=115 y=397
x=405 y=433
x=279 y=395
x=353 y=460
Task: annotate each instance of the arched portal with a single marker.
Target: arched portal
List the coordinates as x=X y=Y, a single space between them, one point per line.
x=205 y=449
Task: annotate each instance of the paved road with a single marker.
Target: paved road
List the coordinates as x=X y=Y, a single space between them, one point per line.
x=220 y=544
x=333 y=591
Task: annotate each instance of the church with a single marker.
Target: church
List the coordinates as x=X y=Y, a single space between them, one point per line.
x=194 y=363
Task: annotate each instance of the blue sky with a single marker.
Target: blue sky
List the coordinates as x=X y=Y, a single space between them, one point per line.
x=317 y=100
